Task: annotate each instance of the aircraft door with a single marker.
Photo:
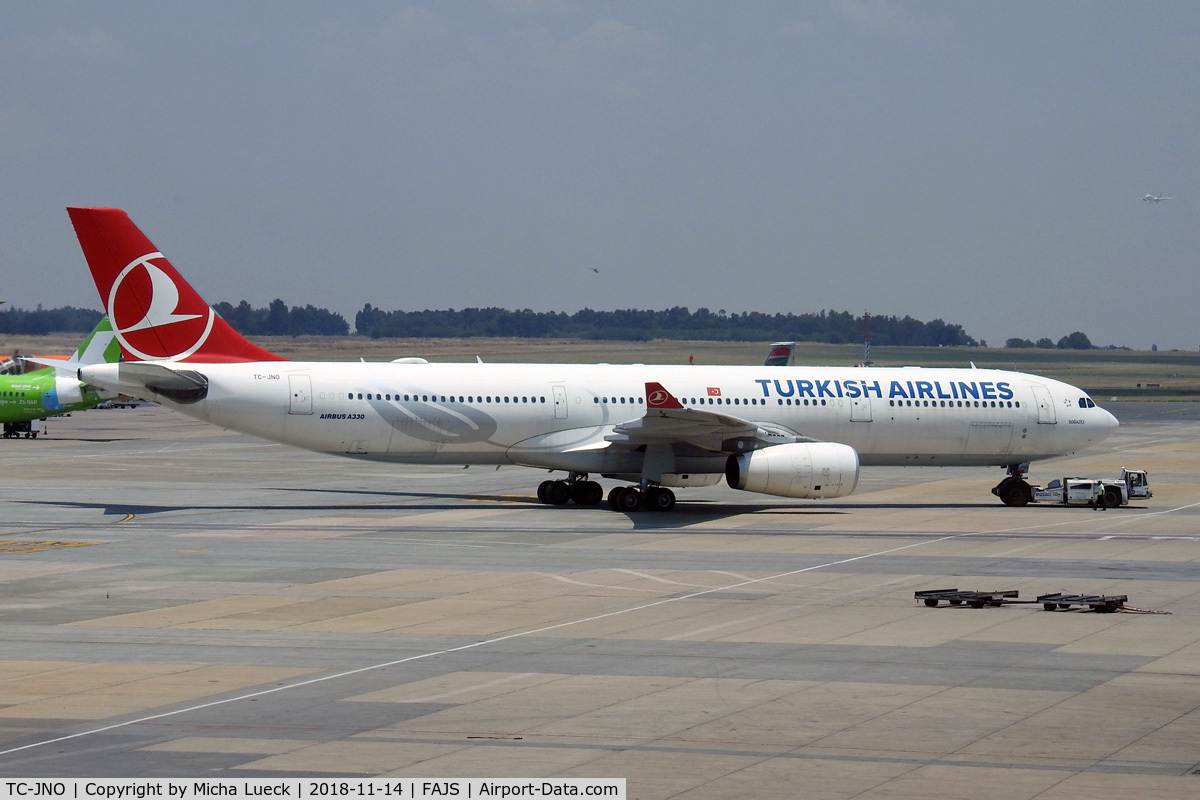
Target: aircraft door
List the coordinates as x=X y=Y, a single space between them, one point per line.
x=1045 y=403
x=560 y=400
x=860 y=409
x=300 y=401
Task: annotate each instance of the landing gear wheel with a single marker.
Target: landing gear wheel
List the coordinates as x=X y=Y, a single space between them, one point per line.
x=558 y=493
x=625 y=498
x=657 y=498
x=543 y=491
x=1015 y=492
x=586 y=493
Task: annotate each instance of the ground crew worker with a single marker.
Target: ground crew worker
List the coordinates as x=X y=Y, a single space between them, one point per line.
x=1099 y=504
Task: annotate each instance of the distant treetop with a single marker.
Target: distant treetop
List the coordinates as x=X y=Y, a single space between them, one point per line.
x=1075 y=341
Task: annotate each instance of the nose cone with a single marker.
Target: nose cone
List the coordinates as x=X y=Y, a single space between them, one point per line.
x=1105 y=423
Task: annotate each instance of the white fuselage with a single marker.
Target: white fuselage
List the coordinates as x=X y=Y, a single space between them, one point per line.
x=557 y=416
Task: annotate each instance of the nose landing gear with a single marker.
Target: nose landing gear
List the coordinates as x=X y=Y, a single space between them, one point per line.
x=1013 y=490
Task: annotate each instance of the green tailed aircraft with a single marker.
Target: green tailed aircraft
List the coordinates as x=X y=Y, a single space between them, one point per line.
x=56 y=389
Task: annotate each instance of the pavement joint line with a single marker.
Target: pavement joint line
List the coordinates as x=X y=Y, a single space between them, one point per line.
x=565 y=579
x=475 y=645
x=637 y=574
x=533 y=632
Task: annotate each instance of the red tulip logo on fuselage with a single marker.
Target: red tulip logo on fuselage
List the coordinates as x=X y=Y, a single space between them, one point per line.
x=152 y=318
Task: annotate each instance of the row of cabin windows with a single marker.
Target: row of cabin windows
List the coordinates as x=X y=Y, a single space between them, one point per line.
x=427 y=398
x=960 y=403
x=726 y=401
x=12 y=394
x=693 y=401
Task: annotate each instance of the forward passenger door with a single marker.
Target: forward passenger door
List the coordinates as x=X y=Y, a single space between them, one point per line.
x=1045 y=403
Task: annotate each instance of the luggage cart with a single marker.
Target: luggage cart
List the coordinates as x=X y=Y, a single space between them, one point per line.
x=974 y=599
x=1100 y=603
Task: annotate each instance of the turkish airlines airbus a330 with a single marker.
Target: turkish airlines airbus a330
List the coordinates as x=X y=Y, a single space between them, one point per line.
x=786 y=431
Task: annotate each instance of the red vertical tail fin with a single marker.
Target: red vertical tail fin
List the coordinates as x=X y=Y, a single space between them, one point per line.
x=155 y=313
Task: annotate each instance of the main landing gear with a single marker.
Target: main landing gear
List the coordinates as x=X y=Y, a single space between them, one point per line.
x=1013 y=490
x=631 y=498
x=579 y=490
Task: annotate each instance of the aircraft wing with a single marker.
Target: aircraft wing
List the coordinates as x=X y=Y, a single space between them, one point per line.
x=668 y=421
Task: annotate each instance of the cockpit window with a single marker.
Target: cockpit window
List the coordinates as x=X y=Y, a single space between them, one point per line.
x=1086 y=402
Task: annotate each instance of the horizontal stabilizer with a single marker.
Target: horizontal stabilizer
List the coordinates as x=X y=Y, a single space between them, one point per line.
x=180 y=385
x=60 y=364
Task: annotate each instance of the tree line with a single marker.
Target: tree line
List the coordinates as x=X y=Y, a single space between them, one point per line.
x=274 y=320
x=279 y=320
x=833 y=327
x=674 y=323
x=41 y=321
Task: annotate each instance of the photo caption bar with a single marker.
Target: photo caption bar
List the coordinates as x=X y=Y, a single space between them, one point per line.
x=382 y=788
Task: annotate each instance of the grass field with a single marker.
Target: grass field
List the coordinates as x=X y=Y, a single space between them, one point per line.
x=1124 y=374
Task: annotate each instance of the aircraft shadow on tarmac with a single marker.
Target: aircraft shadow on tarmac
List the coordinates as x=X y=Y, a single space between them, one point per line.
x=685 y=513
x=45 y=438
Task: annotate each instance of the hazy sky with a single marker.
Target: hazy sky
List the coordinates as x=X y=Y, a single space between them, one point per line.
x=979 y=162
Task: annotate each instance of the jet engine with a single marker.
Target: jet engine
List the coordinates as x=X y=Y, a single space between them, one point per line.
x=818 y=469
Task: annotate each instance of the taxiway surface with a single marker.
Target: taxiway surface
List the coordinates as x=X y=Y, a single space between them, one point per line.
x=186 y=602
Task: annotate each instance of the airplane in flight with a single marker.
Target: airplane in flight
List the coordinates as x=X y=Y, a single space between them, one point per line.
x=55 y=389
x=799 y=432
x=1150 y=198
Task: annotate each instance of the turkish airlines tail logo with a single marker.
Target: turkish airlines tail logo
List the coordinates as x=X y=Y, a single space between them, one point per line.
x=145 y=305
x=658 y=397
x=155 y=313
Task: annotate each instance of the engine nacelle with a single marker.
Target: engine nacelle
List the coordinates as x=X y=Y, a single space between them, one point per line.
x=819 y=469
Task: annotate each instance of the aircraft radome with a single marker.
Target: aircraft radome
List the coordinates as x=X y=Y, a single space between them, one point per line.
x=799 y=432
